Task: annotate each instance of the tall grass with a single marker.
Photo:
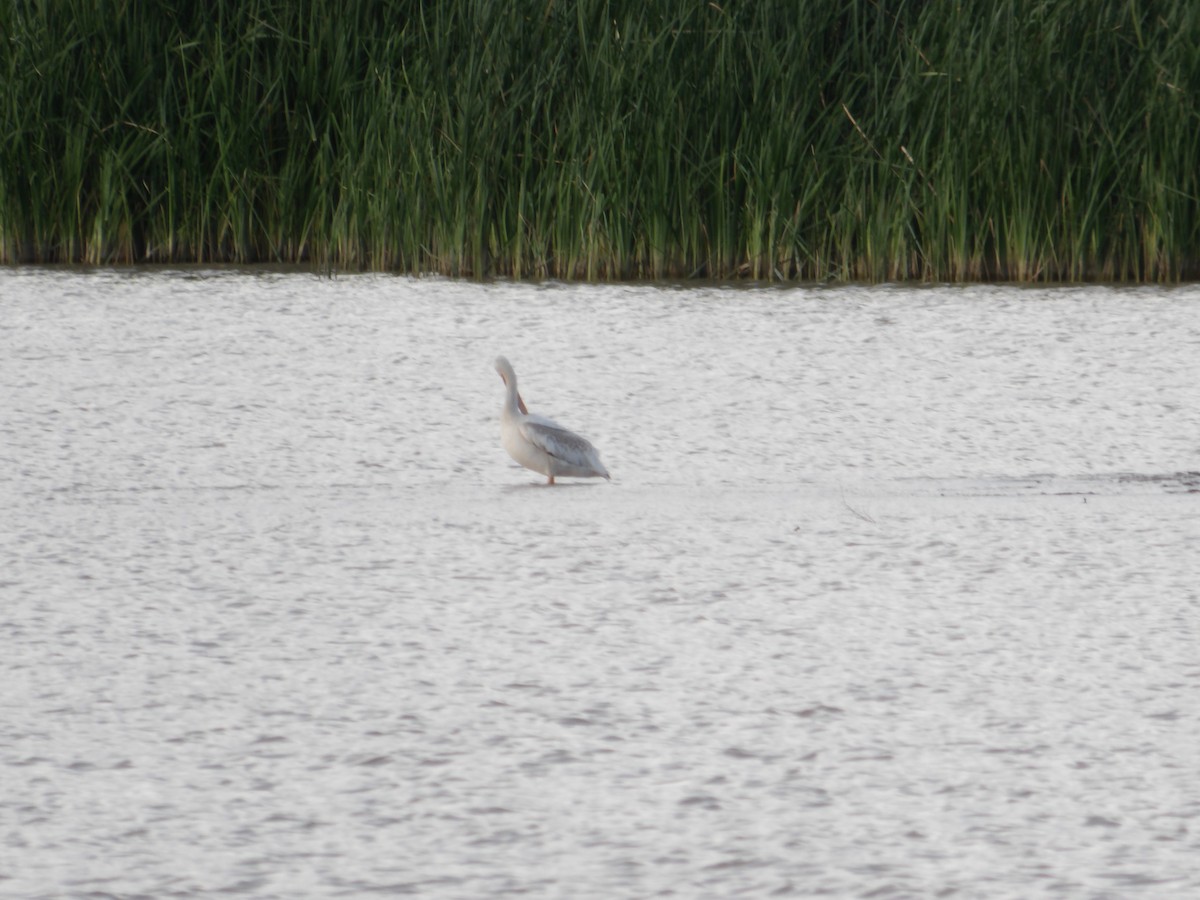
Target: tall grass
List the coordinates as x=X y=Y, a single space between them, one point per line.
x=851 y=139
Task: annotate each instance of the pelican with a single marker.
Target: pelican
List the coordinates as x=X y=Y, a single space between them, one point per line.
x=539 y=443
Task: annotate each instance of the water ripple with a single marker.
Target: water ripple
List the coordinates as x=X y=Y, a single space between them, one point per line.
x=892 y=594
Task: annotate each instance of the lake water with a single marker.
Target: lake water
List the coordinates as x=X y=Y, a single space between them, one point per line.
x=894 y=592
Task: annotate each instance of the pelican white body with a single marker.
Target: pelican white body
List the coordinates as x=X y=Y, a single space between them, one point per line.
x=541 y=444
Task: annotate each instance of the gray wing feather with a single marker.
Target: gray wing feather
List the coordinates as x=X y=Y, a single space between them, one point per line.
x=561 y=444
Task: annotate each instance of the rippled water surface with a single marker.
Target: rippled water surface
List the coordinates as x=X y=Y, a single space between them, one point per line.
x=894 y=592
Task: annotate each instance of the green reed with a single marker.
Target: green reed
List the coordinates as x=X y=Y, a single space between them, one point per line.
x=602 y=139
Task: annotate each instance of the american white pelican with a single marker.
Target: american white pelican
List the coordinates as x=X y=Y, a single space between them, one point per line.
x=539 y=443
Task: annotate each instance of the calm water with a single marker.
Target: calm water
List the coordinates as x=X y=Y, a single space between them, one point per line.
x=894 y=592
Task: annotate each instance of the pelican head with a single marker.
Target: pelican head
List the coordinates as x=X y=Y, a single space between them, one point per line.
x=509 y=377
x=504 y=367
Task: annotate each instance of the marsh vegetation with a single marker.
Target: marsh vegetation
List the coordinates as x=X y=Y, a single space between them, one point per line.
x=607 y=139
